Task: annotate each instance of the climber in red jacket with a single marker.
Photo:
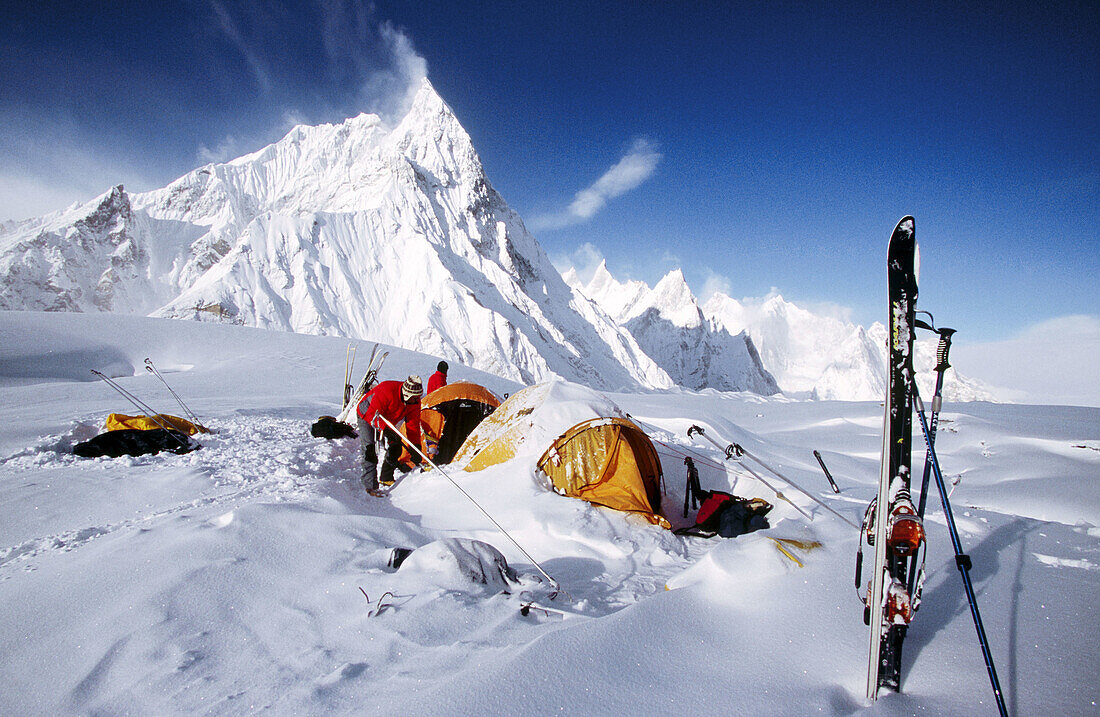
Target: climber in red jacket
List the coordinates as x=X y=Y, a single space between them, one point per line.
x=438 y=379
x=396 y=401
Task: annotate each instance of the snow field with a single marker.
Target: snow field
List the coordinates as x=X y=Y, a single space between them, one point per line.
x=232 y=579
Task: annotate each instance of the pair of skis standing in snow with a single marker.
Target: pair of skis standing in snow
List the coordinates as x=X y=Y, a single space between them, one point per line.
x=893 y=526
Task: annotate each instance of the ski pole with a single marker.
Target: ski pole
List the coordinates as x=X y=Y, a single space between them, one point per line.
x=828 y=475
x=190 y=414
x=962 y=560
x=733 y=451
x=937 y=402
x=740 y=450
x=143 y=407
x=404 y=439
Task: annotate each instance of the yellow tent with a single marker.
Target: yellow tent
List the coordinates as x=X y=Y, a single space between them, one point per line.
x=587 y=447
x=120 y=421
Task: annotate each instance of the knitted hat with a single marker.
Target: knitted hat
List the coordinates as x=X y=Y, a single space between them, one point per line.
x=442 y=367
x=412 y=388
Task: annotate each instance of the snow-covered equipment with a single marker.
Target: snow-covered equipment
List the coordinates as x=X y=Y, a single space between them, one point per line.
x=589 y=449
x=447 y=417
x=412 y=446
x=889 y=604
x=187 y=411
x=461 y=564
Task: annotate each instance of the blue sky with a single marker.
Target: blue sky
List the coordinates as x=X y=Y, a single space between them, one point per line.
x=755 y=145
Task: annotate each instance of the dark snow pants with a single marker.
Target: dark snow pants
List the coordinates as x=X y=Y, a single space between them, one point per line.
x=369 y=445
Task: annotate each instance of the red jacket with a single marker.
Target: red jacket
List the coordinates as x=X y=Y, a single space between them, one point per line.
x=385 y=400
x=436 y=380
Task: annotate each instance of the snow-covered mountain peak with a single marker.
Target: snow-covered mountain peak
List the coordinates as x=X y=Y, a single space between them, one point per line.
x=602 y=281
x=431 y=136
x=673 y=299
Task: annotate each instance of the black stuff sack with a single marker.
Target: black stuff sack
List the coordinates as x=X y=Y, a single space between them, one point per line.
x=328 y=427
x=135 y=442
x=741 y=515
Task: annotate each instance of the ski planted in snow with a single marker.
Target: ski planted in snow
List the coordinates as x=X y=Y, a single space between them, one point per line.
x=374 y=364
x=893 y=527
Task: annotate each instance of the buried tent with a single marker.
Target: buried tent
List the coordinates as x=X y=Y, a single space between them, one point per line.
x=584 y=446
x=447 y=416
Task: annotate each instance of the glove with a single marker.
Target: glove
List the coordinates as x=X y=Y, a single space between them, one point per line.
x=416 y=459
x=370 y=453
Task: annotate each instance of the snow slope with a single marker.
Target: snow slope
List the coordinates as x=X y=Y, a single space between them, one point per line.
x=252 y=574
x=355 y=229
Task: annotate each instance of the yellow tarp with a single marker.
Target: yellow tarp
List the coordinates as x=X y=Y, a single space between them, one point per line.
x=120 y=421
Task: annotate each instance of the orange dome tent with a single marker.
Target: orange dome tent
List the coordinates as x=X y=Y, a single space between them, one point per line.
x=447 y=416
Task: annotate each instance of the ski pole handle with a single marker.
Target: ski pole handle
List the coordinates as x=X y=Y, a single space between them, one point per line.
x=943 y=348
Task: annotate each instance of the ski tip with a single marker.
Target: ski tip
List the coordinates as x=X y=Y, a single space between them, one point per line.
x=907 y=225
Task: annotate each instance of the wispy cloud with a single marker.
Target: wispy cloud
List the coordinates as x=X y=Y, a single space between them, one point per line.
x=251 y=46
x=584 y=260
x=1053 y=361
x=374 y=57
x=388 y=91
x=636 y=166
x=368 y=65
